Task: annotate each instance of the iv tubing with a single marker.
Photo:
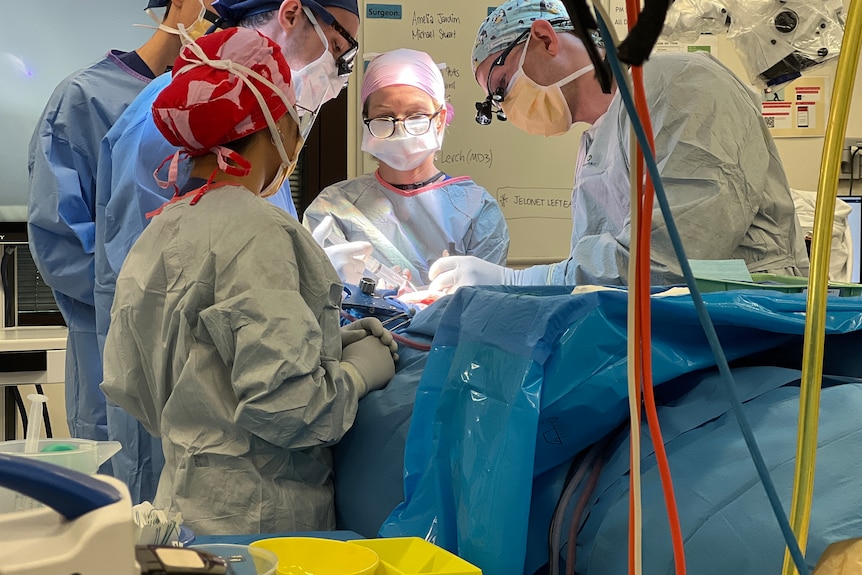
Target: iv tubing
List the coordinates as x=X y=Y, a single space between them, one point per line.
x=706 y=321
x=644 y=207
x=634 y=382
x=815 y=322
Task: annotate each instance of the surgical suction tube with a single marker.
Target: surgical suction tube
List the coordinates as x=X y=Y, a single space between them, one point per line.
x=815 y=322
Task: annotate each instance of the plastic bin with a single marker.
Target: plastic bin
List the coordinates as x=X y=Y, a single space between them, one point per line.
x=415 y=556
x=304 y=555
x=785 y=284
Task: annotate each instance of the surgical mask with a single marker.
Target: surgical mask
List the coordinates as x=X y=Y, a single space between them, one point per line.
x=284 y=171
x=193 y=31
x=401 y=150
x=317 y=82
x=535 y=109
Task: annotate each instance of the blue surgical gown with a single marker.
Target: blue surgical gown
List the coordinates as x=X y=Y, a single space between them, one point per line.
x=126 y=191
x=411 y=229
x=61 y=219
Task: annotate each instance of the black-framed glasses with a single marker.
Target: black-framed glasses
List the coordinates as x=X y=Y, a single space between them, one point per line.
x=486 y=109
x=346 y=60
x=414 y=124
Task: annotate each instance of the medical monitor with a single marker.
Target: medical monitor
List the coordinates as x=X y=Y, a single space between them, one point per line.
x=42 y=42
x=855 y=223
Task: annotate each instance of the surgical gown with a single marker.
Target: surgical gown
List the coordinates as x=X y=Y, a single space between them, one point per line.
x=721 y=171
x=125 y=192
x=225 y=341
x=61 y=219
x=411 y=229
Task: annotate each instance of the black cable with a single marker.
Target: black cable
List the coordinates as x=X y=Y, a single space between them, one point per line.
x=19 y=403
x=584 y=22
x=852 y=160
x=4 y=277
x=45 y=417
x=641 y=39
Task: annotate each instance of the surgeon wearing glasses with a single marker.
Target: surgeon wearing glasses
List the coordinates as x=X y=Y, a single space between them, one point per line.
x=409 y=210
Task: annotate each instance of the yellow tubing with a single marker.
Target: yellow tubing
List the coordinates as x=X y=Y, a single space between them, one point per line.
x=815 y=323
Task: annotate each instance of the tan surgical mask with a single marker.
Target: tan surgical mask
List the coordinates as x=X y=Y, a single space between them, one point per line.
x=535 y=109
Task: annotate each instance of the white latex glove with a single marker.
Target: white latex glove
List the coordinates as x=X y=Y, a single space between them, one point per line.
x=372 y=359
x=322 y=231
x=368 y=326
x=450 y=273
x=349 y=260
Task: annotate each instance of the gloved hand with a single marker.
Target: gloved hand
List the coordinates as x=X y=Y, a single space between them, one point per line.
x=323 y=229
x=368 y=326
x=450 y=273
x=372 y=359
x=347 y=259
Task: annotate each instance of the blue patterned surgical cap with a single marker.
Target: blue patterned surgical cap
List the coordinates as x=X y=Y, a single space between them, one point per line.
x=506 y=22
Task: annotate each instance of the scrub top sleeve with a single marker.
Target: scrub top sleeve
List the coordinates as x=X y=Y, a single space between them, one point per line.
x=490 y=234
x=61 y=224
x=127 y=373
x=283 y=358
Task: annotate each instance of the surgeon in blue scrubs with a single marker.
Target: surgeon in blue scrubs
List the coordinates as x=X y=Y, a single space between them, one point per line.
x=317 y=40
x=62 y=206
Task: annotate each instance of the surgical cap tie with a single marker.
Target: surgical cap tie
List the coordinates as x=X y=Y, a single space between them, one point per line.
x=240 y=167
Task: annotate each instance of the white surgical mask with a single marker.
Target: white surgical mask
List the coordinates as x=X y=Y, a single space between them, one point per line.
x=401 y=150
x=535 y=109
x=317 y=82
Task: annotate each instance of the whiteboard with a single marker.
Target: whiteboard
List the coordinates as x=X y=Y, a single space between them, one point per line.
x=530 y=176
x=42 y=42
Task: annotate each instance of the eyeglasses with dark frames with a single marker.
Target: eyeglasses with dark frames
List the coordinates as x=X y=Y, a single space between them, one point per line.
x=486 y=109
x=414 y=124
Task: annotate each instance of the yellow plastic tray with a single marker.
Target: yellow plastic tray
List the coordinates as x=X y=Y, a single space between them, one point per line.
x=415 y=556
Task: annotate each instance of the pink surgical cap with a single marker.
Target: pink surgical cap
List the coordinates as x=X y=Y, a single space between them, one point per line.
x=405 y=67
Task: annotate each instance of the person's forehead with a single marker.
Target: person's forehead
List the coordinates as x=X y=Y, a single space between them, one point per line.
x=399 y=95
x=348 y=20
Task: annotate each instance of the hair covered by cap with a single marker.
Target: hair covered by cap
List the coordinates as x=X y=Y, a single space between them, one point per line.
x=206 y=106
x=510 y=19
x=235 y=11
x=405 y=67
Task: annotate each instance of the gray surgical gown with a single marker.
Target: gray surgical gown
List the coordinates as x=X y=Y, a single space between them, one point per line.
x=411 y=229
x=721 y=171
x=225 y=341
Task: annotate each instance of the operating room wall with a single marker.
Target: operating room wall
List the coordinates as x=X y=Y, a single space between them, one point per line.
x=42 y=42
x=530 y=176
x=801 y=156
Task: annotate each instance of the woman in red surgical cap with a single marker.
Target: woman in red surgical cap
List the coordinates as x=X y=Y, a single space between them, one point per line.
x=225 y=337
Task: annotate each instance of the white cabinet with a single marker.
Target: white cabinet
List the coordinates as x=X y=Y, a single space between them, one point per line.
x=30 y=355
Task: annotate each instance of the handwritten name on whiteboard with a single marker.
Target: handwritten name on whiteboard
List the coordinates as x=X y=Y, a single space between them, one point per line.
x=545 y=203
x=481 y=158
x=429 y=26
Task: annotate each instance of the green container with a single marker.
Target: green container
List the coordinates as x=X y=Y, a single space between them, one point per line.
x=775 y=282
